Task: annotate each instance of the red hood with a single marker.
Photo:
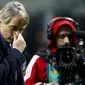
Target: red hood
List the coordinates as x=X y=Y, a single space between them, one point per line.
x=55 y=27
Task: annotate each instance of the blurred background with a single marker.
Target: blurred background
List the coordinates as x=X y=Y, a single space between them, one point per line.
x=41 y=12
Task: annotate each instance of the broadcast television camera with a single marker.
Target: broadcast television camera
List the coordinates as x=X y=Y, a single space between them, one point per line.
x=71 y=65
x=69 y=61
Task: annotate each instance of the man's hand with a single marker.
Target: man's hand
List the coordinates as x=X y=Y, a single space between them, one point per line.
x=19 y=42
x=53 y=83
x=40 y=83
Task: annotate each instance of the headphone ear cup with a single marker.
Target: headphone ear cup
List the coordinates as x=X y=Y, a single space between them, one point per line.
x=76 y=26
x=49 y=33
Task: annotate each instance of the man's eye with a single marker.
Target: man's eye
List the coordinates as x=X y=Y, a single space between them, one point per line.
x=13 y=28
x=61 y=36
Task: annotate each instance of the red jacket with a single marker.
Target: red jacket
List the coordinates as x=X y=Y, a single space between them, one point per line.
x=36 y=71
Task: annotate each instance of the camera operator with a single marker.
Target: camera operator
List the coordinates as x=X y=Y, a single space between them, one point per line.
x=40 y=72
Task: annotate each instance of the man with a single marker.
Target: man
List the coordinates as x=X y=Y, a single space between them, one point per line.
x=13 y=20
x=38 y=71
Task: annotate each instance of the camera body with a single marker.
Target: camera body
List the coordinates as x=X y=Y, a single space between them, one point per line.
x=70 y=62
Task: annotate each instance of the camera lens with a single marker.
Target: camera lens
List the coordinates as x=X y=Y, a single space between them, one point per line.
x=66 y=57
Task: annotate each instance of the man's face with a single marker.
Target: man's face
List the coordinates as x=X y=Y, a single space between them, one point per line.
x=16 y=25
x=63 y=38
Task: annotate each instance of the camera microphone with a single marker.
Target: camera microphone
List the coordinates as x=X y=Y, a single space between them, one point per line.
x=78 y=33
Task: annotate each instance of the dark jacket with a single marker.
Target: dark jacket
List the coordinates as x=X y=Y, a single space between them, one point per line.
x=10 y=64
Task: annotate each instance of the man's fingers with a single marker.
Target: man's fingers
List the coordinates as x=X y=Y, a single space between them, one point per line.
x=20 y=37
x=15 y=38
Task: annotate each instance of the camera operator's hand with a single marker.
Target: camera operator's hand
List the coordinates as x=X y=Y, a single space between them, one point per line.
x=40 y=83
x=19 y=42
x=53 y=83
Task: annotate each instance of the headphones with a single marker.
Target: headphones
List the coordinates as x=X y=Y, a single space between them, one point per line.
x=49 y=29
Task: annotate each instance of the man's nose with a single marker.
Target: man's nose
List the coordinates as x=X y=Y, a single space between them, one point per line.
x=17 y=33
x=66 y=40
